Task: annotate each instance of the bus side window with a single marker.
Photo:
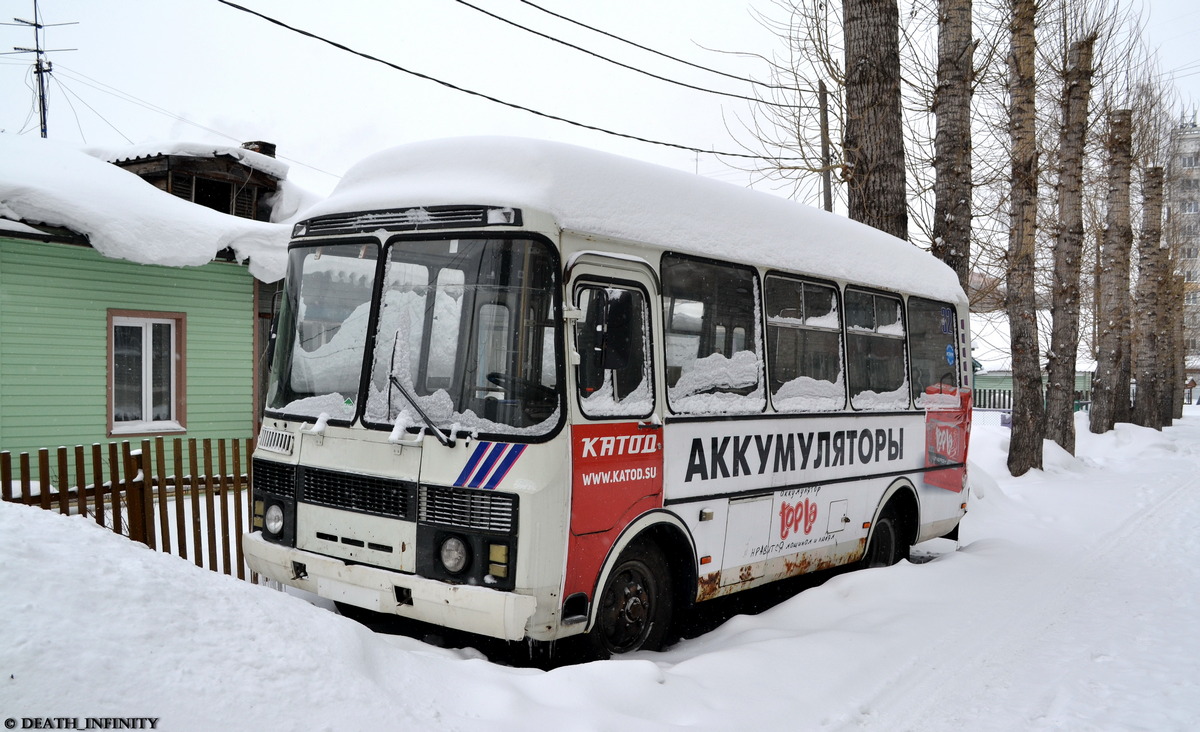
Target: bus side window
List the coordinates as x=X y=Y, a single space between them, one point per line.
x=710 y=316
x=613 y=376
x=875 y=351
x=804 y=346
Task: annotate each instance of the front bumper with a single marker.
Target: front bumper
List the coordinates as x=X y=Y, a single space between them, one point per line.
x=473 y=609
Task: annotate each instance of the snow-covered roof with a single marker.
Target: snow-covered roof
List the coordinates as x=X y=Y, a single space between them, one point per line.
x=43 y=182
x=603 y=194
x=257 y=161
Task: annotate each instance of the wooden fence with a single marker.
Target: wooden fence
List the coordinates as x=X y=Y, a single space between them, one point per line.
x=1003 y=398
x=185 y=497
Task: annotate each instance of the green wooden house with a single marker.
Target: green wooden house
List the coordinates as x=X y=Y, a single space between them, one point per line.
x=128 y=311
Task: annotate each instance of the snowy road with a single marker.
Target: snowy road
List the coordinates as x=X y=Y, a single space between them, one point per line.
x=1071 y=605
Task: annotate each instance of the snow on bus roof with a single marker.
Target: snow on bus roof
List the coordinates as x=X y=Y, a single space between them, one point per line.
x=607 y=195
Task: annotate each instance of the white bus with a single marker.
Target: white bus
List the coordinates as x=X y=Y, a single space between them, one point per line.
x=532 y=391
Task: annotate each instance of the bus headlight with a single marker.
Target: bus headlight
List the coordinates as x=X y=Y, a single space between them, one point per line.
x=454 y=554
x=274 y=519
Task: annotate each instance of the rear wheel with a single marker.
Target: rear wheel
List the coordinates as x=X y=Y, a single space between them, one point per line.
x=884 y=549
x=635 y=605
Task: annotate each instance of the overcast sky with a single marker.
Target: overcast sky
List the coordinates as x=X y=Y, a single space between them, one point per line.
x=149 y=70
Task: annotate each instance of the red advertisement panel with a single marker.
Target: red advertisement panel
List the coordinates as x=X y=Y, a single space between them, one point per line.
x=947 y=432
x=614 y=465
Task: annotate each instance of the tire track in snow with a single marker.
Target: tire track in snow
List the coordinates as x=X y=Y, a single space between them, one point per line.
x=1063 y=660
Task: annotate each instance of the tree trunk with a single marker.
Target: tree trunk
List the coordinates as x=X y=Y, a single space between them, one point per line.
x=1151 y=359
x=1068 y=249
x=952 y=142
x=874 y=133
x=1177 y=353
x=1110 y=389
x=1028 y=423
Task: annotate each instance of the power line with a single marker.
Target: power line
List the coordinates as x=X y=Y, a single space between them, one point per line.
x=127 y=97
x=481 y=95
x=593 y=54
x=71 y=92
x=657 y=53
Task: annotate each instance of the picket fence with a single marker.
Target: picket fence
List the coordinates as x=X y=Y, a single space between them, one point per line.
x=166 y=495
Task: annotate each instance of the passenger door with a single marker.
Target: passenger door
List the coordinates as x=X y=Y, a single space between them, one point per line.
x=617 y=432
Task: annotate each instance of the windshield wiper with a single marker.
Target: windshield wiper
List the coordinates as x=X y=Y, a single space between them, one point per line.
x=441 y=437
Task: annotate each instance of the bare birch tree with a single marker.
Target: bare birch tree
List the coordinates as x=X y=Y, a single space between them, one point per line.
x=873 y=137
x=1110 y=387
x=1151 y=370
x=952 y=143
x=1068 y=247
x=1028 y=425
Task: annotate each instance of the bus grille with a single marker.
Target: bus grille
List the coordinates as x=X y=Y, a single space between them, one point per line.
x=469 y=509
x=410 y=219
x=275 y=478
x=362 y=493
x=276 y=441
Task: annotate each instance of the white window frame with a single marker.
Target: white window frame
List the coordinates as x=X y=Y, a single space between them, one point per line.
x=145 y=321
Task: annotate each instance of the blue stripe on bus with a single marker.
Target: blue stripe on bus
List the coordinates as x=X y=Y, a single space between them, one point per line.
x=502 y=470
x=489 y=462
x=472 y=461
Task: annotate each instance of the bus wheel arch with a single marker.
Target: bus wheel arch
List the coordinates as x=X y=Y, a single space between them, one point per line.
x=654 y=554
x=894 y=528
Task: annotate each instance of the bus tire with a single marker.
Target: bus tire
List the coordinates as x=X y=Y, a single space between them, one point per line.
x=883 y=550
x=634 y=609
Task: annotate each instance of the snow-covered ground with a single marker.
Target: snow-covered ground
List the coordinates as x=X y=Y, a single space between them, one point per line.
x=1072 y=603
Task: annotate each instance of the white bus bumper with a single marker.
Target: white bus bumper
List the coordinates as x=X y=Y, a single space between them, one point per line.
x=473 y=609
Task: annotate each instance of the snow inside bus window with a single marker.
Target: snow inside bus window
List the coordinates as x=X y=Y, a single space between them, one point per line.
x=614 y=377
x=875 y=351
x=932 y=337
x=466 y=338
x=322 y=328
x=710 y=313
x=804 y=347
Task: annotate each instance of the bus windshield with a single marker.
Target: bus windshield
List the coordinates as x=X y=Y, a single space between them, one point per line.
x=464 y=337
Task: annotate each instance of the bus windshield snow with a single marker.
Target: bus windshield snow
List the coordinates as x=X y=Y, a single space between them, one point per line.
x=463 y=336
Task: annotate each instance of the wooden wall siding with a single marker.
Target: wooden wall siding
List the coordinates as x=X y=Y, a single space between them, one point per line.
x=54 y=300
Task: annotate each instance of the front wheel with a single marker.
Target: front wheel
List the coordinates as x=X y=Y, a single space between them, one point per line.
x=635 y=605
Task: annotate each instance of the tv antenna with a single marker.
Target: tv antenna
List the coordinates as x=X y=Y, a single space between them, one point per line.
x=42 y=66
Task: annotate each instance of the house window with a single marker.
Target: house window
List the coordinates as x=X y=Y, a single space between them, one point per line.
x=1191 y=207
x=145 y=372
x=1190 y=184
x=1190 y=161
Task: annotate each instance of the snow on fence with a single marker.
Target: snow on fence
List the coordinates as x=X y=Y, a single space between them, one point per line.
x=145 y=493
